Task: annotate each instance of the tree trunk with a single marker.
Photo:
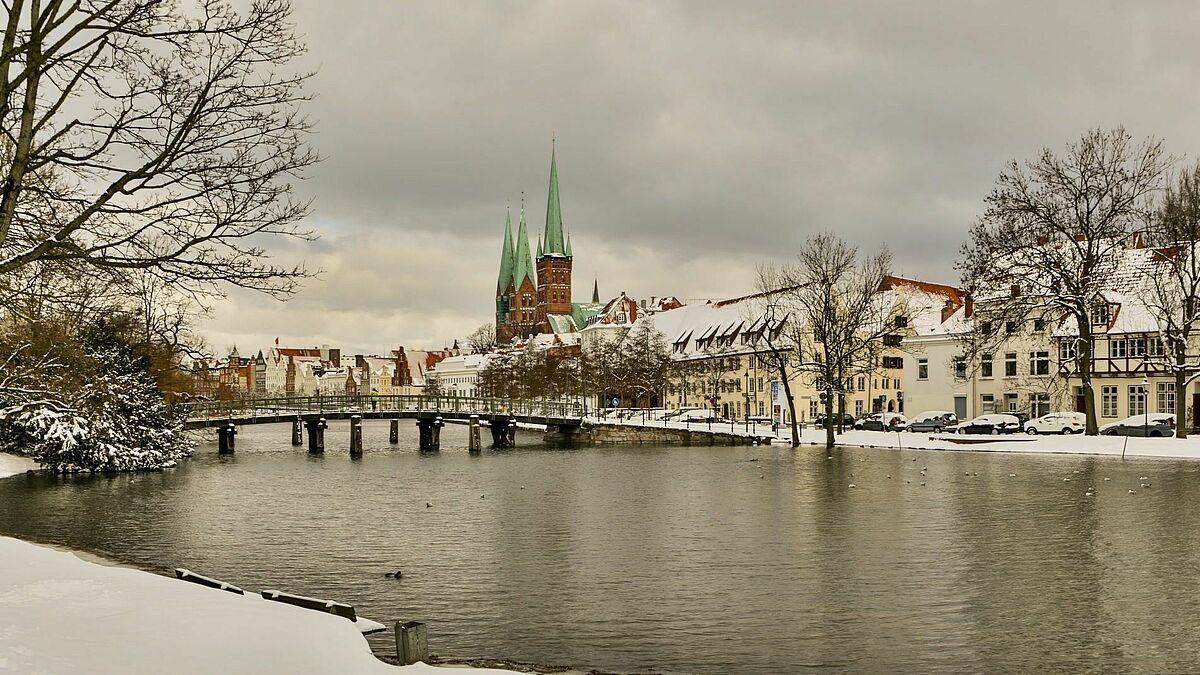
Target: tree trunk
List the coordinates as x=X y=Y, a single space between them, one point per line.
x=1085 y=379
x=829 y=439
x=787 y=392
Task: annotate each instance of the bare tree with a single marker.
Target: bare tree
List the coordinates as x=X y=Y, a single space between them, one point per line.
x=646 y=361
x=1174 y=285
x=771 y=328
x=1053 y=232
x=483 y=339
x=142 y=135
x=842 y=319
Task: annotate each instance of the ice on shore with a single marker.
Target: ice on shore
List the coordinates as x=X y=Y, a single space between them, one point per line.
x=61 y=614
x=11 y=465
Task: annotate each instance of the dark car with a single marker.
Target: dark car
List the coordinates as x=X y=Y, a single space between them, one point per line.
x=847 y=420
x=991 y=424
x=1154 y=425
x=934 y=420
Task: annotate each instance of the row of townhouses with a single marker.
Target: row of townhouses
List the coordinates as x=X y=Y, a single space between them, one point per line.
x=323 y=371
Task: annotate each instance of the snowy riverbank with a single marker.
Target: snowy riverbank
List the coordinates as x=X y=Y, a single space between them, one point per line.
x=11 y=465
x=62 y=614
x=1188 y=448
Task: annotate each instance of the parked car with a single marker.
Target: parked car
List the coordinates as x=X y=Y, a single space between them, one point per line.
x=991 y=424
x=847 y=420
x=932 y=420
x=1154 y=425
x=884 y=421
x=1058 y=423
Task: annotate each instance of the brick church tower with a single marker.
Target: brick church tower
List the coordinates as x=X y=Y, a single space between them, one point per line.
x=529 y=299
x=554 y=258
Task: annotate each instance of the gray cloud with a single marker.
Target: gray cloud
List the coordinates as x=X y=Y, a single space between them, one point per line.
x=694 y=139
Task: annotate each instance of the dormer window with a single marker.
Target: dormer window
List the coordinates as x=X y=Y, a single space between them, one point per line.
x=1100 y=314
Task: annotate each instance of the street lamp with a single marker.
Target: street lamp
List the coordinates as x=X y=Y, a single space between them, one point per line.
x=1146 y=407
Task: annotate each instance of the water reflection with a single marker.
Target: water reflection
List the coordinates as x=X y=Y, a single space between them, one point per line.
x=681 y=559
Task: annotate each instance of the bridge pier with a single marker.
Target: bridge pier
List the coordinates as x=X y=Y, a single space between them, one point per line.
x=504 y=432
x=562 y=435
x=316 y=435
x=473 y=443
x=394 y=433
x=356 y=436
x=430 y=433
x=297 y=431
x=225 y=438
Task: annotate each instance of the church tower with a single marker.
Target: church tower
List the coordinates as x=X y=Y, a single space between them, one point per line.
x=522 y=295
x=554 y=258
x=505 y=281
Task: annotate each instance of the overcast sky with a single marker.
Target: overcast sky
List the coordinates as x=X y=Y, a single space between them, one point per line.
x=694 y=140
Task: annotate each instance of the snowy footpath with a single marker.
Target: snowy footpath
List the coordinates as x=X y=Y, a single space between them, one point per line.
x=61 y=614
x=1188 y=448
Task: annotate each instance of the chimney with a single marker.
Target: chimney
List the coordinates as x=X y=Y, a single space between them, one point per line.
x=948 y=310
x=970 y=307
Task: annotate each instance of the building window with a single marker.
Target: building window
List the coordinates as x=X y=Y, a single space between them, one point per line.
x=922 y=371
x=1010 y=327
x=1039 y=363
x=985 y=365
x=1118 y=349
x=858 y=407
x=1067 y=352
x=1137 y=347
x=1154 y=347
x=989 y=404
x=1099 y=314
x=1010 y=364
x=1108 y=401
x=960 y=368
x=1039 y=325
x=1137 y=400
x=1166 y=397
x=1039 y=404
x=887 y=383
x=986 y=328
x=812 y=408
x=891 y=340
x=862 y=383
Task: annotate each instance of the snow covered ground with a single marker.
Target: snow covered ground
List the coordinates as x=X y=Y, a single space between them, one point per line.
x=1188 y=448
x=62 y=614
x=10 y=465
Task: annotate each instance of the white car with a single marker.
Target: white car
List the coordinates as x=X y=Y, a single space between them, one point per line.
x=1058 y=423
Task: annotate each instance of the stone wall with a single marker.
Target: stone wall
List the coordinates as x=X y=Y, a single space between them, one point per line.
x=617 y=434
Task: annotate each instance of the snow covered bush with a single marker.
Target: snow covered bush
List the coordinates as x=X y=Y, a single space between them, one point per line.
x=107 y=414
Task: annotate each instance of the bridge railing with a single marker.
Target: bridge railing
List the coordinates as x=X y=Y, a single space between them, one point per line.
x=301 y=405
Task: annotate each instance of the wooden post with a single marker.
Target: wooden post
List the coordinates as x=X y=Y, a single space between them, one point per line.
x=473 y=444
x=316 y=435
x=356 y=435
x=298 y=432
x=394 y=434
x=412 y=642
x=225 y=434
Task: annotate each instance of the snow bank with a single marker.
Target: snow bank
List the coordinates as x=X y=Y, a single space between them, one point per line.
x=1188 y=448
x=11 y=465
x=61 y=614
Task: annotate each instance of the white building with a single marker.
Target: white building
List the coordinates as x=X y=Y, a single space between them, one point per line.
x=459 y=375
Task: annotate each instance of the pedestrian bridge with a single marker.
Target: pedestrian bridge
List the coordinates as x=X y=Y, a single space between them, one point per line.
x=501 y=415
x=566 y=423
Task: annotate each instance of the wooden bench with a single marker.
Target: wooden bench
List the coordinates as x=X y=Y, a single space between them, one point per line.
x=188 y=575
x=329 y=606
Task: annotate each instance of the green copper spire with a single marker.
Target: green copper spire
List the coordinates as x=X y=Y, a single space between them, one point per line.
x=554 y=229
x=506 y=256
x=522 y=261
x=539 y=253
x=569 y=246
x=596 y=291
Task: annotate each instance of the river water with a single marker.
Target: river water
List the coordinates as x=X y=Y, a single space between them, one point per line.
x=680 y=560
